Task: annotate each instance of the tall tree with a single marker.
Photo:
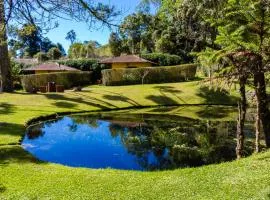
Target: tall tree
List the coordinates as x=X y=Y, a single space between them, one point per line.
x=115 y=44
x=61 y=48
x=5 y=72
x=245 y=29
x=42 y=13
x=71 y=36
x=88 y=49
x=27 y=39
x=135 y=32
x=232 y=66
x=46 y=44
x=183 y=28
x=76 y=50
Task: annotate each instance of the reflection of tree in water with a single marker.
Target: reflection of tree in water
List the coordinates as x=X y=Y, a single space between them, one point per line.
x=73 y=127
x=138 y=141
x=85 y=119
x=35 y=132
x=163 y=143
x=82 y=120
x=167 y=145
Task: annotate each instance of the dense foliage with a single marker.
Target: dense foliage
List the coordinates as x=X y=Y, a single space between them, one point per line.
x=163 y=59
x=86 y=65
x=41 y=56
x=179 y=27
x=87 y=49
x=81 y=64
x=54 y=53
x=115 y=44
x=243 y=31
x=28 y=40
x=16 y=69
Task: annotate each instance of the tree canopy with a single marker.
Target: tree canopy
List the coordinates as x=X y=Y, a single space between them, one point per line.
x=44 y=13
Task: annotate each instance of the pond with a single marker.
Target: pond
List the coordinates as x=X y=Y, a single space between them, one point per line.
x=139 y=141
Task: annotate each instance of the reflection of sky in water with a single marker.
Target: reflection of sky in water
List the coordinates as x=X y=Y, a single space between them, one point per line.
x=125 y=144
x=85 y=147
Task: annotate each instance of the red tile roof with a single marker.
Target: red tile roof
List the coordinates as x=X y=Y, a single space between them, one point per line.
x=51 y=67
x=125 y=59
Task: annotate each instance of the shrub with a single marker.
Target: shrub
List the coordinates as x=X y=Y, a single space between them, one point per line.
x=81 y=64
x=54 y=53
x=86 y=65
x=149 y=75
x=267 y=77
x=41 y=56
x=68 y=79
x=15 y=73
x=163 y=59
x=16 y=69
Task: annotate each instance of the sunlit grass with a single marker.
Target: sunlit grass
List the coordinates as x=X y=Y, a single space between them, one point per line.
x=23 y=177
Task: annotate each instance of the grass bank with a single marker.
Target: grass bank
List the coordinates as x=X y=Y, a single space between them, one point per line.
x=23 y=177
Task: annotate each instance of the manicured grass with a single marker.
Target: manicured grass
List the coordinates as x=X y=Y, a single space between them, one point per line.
x=23 y=177
x=17 y=108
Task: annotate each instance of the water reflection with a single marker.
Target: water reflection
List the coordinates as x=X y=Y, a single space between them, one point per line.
x=136 y=142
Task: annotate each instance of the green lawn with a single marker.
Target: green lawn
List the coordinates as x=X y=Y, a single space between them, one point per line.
x=23 y=177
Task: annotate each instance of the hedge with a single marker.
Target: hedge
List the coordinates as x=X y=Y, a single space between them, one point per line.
x=149 y=75
x=163 y=59
x=68 y=79
x=86 y=65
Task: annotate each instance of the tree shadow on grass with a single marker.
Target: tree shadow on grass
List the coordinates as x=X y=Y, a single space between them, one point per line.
x=2 y=188
x=114 y=96
x=13 y=152
x=121 y=98
x=64 y=104
x=16 y=154
x=11 y=129
x=162 y=100
x=168 y=89
x=78 y=100
x=6 y=108
x=213 y=96
x=81 y=94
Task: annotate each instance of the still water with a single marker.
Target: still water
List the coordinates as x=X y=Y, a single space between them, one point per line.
x=144 y=142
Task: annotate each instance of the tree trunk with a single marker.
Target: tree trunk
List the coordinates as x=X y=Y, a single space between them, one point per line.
x=242 y=107
x=5 y=74
x=258 y=129
x=262 y=104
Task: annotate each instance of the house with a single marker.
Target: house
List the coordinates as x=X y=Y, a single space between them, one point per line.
x=127 y=61
x=49 y=68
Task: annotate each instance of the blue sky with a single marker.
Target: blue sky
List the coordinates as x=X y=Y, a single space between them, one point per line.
x=82 y=30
